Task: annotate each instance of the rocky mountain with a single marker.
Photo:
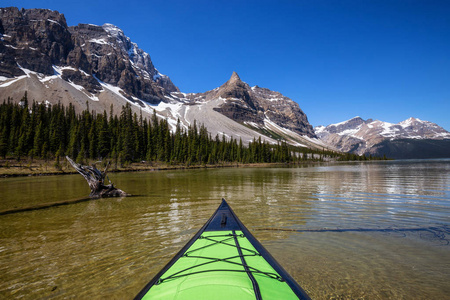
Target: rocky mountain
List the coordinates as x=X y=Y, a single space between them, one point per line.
x=40 y=40
x=254 y=107
x=412 y=138
x=238 y=110
x=101 y=66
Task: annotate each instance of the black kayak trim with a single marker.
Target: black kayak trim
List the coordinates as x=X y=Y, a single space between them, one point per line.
x=224 y=219
x=249 y=273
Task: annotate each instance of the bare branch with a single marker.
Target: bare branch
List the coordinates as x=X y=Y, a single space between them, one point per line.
x=96 y=180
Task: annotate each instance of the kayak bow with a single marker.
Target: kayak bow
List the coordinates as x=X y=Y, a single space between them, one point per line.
x=223 y=261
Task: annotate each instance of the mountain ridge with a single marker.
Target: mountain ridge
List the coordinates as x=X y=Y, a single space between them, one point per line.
x=38 y=39
x=255 y=106
x=376 y=137
x=101 y=66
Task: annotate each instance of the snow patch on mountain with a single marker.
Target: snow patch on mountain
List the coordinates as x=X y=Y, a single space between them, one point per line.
x=138 y=57
x=99 y=41
x=10 y=81
x=101 y=67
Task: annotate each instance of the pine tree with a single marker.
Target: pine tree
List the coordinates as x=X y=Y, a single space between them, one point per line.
x=104 y=143
x=38 y=140
x=150 y=142
x=74 y=145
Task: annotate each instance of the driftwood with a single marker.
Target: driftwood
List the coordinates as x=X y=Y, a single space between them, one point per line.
x=96 y=180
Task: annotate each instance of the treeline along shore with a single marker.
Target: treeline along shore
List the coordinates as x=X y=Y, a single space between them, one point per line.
x=34 y=131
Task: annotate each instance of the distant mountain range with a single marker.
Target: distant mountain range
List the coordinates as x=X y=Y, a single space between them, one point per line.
x=101 y=66
x=412 y=138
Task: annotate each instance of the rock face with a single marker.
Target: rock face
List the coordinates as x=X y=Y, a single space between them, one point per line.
x=255 y=107
x=114 y=59
x=400 y=140
x=35 y=39
x=38 y=39
x=101 y=67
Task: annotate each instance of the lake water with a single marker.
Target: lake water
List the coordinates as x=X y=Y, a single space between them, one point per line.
x=377 y=230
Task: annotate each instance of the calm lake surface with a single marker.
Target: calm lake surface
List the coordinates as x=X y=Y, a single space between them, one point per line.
x=377 y=230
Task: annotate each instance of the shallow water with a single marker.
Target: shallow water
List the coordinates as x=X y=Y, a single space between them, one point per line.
x=344 y=231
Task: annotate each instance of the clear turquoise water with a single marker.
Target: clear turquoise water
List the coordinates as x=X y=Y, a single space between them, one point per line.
x=344 y=231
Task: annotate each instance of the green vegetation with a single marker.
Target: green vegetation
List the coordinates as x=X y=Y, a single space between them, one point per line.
x=40 y=131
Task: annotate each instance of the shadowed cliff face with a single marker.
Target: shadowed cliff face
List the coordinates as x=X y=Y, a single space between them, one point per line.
x=38 y=39
x=35 y=39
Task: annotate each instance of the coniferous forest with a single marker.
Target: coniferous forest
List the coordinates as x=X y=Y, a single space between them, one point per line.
x=41 y=131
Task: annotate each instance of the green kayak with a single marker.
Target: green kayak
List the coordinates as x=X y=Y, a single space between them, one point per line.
x=223 y=261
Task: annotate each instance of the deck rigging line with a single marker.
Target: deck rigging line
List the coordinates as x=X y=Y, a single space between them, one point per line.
x=247 y=269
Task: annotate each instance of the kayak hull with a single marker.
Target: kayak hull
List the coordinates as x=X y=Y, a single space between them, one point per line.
x=223 y=261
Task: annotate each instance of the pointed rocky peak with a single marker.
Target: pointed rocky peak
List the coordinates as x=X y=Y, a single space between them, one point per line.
x=234 y=78
x=234 y=88
x=235 y=82
x=261 y=106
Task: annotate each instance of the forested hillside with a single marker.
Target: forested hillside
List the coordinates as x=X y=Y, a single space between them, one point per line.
x=39 y=130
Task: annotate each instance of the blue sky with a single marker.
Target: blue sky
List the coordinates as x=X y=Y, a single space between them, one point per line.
x=386 y=60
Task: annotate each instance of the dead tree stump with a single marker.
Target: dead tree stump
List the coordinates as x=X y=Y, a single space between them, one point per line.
x=96 y=180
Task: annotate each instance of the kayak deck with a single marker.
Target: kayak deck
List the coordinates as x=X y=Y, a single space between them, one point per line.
x=223 y=261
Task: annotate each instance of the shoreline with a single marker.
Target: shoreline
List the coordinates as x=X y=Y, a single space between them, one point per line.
x=13 y=168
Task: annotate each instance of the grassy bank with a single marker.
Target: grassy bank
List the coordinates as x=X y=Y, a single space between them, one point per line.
x=36 y=167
